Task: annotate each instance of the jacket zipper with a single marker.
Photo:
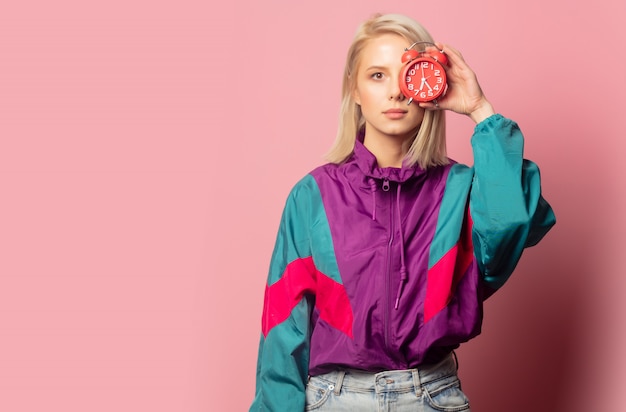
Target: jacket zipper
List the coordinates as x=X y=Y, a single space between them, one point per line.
x=387 y=325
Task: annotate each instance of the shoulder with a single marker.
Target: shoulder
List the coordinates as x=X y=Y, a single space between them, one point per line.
x=325 y=170
x=326 y=176
x=306 y=189
x=318 y=183
x=454 y=171
x=457 y=179
x=309 y=184
x=459 y=171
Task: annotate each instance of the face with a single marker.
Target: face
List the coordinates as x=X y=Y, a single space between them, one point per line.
x=377 y=91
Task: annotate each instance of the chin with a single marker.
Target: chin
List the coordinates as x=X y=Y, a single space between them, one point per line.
x=404 y=133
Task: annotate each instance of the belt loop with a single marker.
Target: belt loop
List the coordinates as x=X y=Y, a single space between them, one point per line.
x=339 y=383
x=417 y=384
x=456 y=360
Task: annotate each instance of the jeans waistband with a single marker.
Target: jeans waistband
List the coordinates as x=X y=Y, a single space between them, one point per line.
x=392 y=380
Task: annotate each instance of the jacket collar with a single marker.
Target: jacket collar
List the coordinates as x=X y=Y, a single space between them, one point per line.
x=366 y=162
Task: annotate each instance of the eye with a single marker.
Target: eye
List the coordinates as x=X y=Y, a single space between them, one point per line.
x=377 y=76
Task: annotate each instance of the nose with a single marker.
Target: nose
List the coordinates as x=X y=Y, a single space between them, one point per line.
x=394 y=89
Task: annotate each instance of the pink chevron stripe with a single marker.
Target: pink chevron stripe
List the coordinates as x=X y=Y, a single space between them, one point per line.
x=333 y=304
x=302 y=277
x=445 y=275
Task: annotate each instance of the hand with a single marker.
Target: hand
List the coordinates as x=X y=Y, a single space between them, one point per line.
x=464 y=94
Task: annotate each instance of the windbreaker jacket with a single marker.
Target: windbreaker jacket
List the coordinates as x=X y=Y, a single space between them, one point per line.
x=387 y=268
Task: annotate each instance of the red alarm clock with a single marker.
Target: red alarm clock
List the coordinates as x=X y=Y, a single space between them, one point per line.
x=423 y=77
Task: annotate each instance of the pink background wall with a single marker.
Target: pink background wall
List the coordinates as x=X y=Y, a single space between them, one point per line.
x=146 y=149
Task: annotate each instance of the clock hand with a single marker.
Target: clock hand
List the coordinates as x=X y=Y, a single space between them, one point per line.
x=423 y=79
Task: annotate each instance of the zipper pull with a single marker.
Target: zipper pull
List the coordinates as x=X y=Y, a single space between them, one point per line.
x=386 y=185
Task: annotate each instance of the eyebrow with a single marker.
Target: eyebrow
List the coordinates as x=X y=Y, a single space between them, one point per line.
x=375 y=68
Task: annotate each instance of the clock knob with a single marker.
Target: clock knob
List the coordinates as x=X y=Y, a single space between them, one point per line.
x=439 y=56
x=409 y=55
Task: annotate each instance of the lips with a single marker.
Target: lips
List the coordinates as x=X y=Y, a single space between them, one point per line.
x=392 y=111
x=395 y=114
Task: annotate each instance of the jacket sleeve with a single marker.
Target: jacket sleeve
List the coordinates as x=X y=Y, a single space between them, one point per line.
x=283 y=359
x=506 y=206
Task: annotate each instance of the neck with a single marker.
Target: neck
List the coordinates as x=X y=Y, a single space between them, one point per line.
x=389 y=152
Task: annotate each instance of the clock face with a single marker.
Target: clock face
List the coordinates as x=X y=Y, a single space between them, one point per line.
x=423 y=79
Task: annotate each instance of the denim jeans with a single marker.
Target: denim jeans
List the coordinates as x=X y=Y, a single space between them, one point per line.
x=429 y=389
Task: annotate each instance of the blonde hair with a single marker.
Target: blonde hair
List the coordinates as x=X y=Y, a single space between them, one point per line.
x=428 y=147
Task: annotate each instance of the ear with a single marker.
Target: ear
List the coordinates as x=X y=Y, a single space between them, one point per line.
x=356 y=96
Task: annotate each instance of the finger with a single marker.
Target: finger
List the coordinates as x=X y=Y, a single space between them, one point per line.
x=432 y=105
x=454 y=56
x=449 y=49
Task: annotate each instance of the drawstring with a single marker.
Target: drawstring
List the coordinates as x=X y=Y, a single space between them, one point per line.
x=373 y=187
x=403 y=271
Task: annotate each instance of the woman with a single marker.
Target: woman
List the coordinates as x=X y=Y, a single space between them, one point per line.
x=385 y=254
